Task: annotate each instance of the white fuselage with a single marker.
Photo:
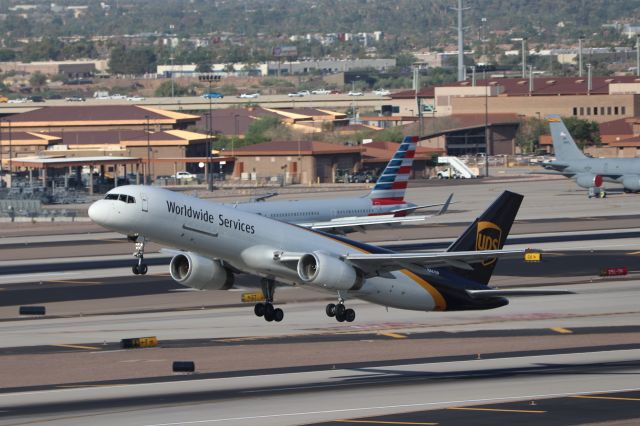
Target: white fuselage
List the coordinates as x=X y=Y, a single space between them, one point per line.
x=303 y=211
x=244 y=240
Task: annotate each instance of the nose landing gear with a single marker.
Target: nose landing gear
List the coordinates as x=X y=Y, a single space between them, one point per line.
x=266 y=309
x=139 y=268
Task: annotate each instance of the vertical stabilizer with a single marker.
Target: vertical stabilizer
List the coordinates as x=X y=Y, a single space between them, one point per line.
x=563 y=144
x=392 y=183
x=488 y=232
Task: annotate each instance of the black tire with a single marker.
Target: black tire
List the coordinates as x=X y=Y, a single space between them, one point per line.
x=268 y=316
x=268 y=309
x=340 y=317
x=143 y=269
x=349 y=315
x=340 y=309
x=278 y=314
x=331 y=310
x=135 y=270
x=259 y=309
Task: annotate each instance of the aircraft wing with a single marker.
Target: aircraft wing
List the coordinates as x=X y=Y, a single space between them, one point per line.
x=380 y=264
x=376 y=264
x=443 y=210
x=352 y=224
x=493 y=292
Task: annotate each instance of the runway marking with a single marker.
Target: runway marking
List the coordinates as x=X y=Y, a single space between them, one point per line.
x=391 y=334
x=614 y=398
x=380 y=422
x=73 y=282
x=499 y=410
x=77 y=347
x=562 y=330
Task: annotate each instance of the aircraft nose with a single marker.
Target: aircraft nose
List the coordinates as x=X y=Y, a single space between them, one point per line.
x=98 y=212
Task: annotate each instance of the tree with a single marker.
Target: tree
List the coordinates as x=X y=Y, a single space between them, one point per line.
x=164 y=90
x=258 y=131
x=138 y=60
x=584 y=132
x=38 y=80
x=528 y=135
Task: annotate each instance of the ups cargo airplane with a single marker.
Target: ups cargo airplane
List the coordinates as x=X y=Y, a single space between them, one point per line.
x=216 y=241
x=589 y=172
x=384 y=205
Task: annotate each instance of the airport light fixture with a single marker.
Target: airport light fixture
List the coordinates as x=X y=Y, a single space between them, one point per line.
x=209 y=78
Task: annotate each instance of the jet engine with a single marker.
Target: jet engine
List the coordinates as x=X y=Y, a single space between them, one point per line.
x=631 y=182
x=199 y=272
x=326 y=271
x=588 y=180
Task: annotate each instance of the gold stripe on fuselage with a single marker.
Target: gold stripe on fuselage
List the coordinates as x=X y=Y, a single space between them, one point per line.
x=438 y=299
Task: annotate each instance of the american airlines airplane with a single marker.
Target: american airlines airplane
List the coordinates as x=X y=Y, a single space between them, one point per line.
x=384 y=205
x=215 y=242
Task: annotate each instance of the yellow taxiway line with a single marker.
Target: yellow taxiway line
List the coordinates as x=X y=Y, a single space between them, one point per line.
x=498 y=410
x=93 y=348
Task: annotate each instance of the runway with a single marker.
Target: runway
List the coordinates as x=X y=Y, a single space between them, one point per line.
x=563 y=359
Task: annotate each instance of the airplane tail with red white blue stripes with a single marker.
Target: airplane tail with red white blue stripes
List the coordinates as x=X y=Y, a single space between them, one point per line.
x=392 y=183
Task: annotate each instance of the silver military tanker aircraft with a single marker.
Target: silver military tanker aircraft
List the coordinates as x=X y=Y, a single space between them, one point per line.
x=216 y=242
x=589 y=172
x=384 y=205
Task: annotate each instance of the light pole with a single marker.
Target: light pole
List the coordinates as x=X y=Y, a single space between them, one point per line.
x=580 y=56
x=147 y=179
x=209 y=78
x=486 y=130
x=10 y=149
x=172 y=90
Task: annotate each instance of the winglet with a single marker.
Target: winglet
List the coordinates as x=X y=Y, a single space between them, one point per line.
x=445 y=206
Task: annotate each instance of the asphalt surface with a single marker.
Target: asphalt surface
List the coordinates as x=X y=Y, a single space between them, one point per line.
x=581 y=265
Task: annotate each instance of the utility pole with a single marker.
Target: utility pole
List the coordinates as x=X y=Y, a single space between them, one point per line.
x=209 y=78
x=147 y=175
x=580 y=56
x=461 y=72
x=10 y=149
x=524 y=57
x=637 y=55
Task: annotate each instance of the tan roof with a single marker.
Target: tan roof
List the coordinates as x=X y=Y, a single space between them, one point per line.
x=69 y=116
x=166 y=138
x=296 y=147
x=27 y=138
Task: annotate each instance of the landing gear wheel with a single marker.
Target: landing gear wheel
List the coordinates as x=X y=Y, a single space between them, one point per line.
x=259 y=309
x=340 y=310
x=268 y=310
x=340 y=317
x=331 y=310
x=349 y=315
x=278 y=314
x=268 y=316
x=140 y=268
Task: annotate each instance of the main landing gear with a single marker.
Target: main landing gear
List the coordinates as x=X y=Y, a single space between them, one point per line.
x=266 y=309
x=340 y=312
x=599 y=193
x=139 y=268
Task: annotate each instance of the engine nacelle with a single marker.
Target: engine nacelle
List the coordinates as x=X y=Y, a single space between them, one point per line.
x=588 y=180
x=631 y=182
x=326 y=271
x=191 y=270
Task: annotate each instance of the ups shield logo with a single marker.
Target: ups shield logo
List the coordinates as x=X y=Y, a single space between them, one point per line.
x=488 y=237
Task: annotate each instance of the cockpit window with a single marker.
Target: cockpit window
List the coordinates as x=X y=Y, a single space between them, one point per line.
x=121 y=197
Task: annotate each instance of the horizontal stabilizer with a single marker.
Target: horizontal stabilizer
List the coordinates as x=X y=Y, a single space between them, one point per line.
x=484 y=294
x=443 y=210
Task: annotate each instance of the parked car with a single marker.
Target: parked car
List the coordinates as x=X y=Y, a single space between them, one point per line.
x=295 y=95
x=362 y=176
x=352 y=93
x=135 y=98
x=320 y=92
x=248 y=95
x=74 y=99
x=36 y=98
x=184 y=175
x=213 y=95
